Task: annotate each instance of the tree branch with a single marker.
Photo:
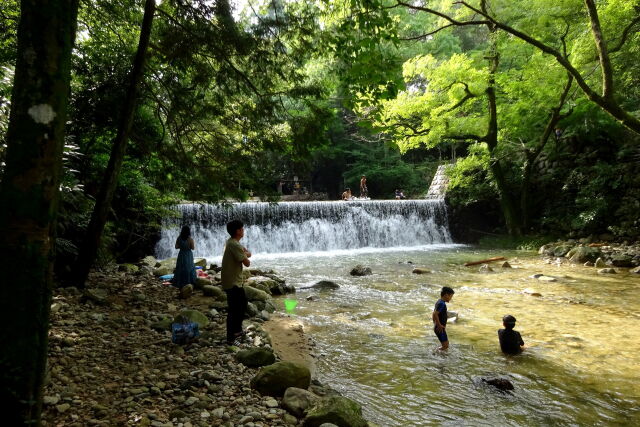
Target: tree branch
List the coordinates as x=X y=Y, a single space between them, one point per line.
x=601 y=47
x=625 y=34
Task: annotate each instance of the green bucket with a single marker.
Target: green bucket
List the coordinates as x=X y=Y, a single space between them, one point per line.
x=290 y=305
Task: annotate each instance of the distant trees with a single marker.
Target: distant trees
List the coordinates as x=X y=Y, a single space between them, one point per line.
x=29 y=193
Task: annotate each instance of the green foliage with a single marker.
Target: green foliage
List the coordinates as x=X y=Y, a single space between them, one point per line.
x=523 y=243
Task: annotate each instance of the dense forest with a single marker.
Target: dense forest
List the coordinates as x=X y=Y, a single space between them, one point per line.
x=113 y=111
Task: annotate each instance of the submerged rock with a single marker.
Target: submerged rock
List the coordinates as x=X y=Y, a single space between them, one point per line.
x=323 y=284
x=600 y=263
x=505 y=265
x=361 y=270
x=635 y=270
x=485 y=268
x=421 y=271
x=501 y=384
x=607 y=271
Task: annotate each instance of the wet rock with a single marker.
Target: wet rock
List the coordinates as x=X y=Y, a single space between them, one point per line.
x=421 y=271
x=635 y=270
x=547 y=279
x=600 y=263
x=360 y=270
x=200 y=262
x=485 y=268
x=149 y=261
x=274 y=379
x=607 y=271
x=582 y=254
x=337 y=410
x=505 y=265
x=561 y=250
x=501 y=384
x=531 y=292
x=297 y=401
x=588 y=264
x=163 y=271
x=323 y=284
x=256 y=357
x=622 y=261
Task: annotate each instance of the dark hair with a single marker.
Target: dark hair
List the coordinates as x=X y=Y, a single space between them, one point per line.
x=509 y=321
x=185 y=232
x=446 y=291
x=234 y=226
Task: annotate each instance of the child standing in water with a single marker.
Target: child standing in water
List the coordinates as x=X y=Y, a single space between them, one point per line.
x=510 y=340
x=440 y=317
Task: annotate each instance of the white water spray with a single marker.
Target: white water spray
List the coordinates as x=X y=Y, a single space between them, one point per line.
x=310 y=226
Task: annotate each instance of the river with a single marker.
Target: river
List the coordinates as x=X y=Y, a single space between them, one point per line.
x=375 y=342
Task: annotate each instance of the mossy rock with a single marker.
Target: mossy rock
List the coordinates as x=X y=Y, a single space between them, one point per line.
x=214 y=291
x=582 y=254
x=254 y=294
x=192 y=316
x=162 y=271
x=337 y=410
x=274 y=380
x=200 y=262
x=561 y=250
x=201 y=282
x=128 y=268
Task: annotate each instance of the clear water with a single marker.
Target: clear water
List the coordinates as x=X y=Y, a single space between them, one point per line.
x=375 y=341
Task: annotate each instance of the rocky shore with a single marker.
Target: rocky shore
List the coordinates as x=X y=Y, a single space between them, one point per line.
x=606 y=257
x=112 y=361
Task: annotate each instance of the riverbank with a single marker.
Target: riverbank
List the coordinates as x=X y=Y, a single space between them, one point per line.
x=112 y=363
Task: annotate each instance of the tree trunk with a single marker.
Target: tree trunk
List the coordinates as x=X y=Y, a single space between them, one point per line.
x=29 y=194
x=101 y=210
x=507 y=203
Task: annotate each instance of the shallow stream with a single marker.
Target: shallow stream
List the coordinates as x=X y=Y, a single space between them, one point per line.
x=375 y=343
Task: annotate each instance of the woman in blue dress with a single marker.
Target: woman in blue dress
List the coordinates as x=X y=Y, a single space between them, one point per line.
x=185 y=273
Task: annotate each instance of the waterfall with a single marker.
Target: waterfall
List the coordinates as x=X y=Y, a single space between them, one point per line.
x=309 y=226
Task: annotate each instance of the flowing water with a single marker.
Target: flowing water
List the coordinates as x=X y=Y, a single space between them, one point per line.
x=375 y=344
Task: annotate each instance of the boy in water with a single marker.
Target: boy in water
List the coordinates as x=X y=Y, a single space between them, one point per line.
x=510 y=340
x=440 y=317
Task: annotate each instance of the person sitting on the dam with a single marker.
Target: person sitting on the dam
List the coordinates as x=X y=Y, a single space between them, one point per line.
x=235 y=256
x=510 y=341
x=347 y=194
x=440 y=317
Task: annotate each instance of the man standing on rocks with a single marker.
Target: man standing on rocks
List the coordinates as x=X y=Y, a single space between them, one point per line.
x=235 y=256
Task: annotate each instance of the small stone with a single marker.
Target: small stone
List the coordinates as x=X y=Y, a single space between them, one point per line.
x=63 y=408
x=190 y=401
x=245 y=419
x=218 y=412
x=271 y=403
x=421 y=271
x=505 y=265
x=51 y=400
x=607 y=271
x=600 y=263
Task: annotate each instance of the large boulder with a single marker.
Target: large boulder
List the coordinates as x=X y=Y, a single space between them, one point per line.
x=163 y=271
x=297 y=401
x=360 y=270
x=149 y=261
x=200 y=262
x=214 y=291
x=192 y=316
x=266 y=284
x=337 y=410
x=622 y=261
x=561 y=250
x=128 y=268
x=274 y=380
x=254 y=294
x=201 y=282
x=256 y=357
x=582 y=254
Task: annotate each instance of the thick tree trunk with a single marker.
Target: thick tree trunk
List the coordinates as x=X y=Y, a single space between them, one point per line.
x=29 y=197
x=507 y=203
x=101 y=210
